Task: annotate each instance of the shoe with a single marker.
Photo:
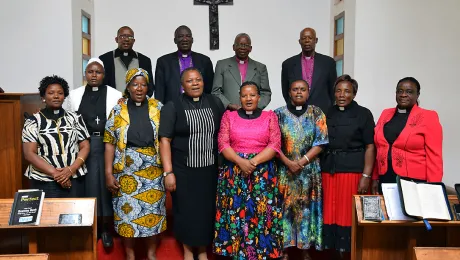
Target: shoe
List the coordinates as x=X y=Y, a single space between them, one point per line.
x=107 y=239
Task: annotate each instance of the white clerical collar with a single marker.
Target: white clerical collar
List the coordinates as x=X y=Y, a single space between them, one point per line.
x=298 y=108
x=95 y=88
x=341 y=108
x=184 y=55
x=125 y=54
x=56 y=112
x=402 y=111
x=241 y=62
x=249 y=112
x=196 y=99
x=138 y=104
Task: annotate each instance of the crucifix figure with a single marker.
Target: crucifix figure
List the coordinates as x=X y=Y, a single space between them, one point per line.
x=97 y=120
x=213 y=19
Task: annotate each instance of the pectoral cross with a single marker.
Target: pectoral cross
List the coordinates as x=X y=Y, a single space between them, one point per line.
x=97 y=119
x=213 y=19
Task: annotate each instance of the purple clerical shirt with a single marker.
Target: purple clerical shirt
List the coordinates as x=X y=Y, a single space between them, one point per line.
x=308 y=64
x=243 y=67
x=185 y=62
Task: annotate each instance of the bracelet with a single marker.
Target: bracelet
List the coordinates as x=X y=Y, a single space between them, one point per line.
x=367 y=176
x=306 y=157
x=81 y=159
x=70 y=170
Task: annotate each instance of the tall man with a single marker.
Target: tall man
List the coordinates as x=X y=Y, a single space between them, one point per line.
x=170 y=66
x=233 y=71
x=317 y=69
x=124 y=58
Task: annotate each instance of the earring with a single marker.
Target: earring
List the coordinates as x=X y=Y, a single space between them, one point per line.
x=43 y=100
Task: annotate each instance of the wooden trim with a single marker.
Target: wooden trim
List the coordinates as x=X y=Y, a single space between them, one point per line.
x=85 y=57
x=337 y=58
x=86 y=36
x=337 y=17
x=338 y=37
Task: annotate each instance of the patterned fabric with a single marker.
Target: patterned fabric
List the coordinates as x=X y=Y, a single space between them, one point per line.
x=132 y=73
x=308 y=65
x=249 y=135
x=249 y=209
x=57 y=141
x=139 y=206
x=302 y=215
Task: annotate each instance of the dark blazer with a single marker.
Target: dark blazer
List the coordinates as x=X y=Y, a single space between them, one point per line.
x=167 y=75
x=324 y=76
x=109 y=66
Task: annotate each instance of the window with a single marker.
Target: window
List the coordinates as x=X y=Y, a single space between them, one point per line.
x=86 y=41
x=339 y=24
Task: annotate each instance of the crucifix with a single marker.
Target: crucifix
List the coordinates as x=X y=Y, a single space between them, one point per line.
x=213 y=19
x=97 y=120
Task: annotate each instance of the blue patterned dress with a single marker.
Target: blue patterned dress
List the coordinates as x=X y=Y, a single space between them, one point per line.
x=302 y=213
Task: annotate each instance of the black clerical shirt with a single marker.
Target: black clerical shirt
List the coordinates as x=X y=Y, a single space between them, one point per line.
x=140 y=132
x=93 y=109
x=51 y=114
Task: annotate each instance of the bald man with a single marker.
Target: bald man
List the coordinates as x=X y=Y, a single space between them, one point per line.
x=124 y=58
x=317 y=69
x=233 y=71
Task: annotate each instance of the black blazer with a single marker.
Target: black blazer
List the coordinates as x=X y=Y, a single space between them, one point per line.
x=324 y=76
x=167 y=75
x=109 y=66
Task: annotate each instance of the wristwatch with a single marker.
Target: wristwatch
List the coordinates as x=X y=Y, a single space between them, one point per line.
x=166 y=173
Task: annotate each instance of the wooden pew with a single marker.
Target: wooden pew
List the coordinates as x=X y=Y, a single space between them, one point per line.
x=395 y=240
x=437 y=253
x=59 y=241
x=25 y=257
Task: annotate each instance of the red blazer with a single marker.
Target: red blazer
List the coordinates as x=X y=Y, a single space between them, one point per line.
x=417 y=152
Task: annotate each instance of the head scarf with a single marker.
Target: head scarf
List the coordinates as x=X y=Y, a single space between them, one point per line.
x=95 y=60
x=132 y=73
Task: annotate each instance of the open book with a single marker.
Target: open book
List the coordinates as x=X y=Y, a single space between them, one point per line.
x=393 y=202
x=424 y=200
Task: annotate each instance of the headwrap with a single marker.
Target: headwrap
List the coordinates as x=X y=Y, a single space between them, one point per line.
x=132 y=73
x=95 y=60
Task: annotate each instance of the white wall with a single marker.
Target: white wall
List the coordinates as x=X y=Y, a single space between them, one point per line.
x=394 y=39
x=36 y=42
x=273 y=25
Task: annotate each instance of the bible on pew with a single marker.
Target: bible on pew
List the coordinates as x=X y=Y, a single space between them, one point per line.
x=27 y=207
x=426 y=201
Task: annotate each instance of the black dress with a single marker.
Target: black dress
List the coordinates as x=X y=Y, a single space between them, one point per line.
x=193 y=127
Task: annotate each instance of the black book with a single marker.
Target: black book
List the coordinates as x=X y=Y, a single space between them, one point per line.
x=27 y=207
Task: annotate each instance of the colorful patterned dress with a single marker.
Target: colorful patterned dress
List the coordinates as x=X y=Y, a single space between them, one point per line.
x=302 y=215
x=139 y=206
x=249 y=209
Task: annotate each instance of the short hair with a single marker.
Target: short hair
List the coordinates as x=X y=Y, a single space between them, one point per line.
x=243 y=35
x=187 y=70
x=300 y=80
x=50 y=80
x=182 y=27
x=410 y=79
x=124 y=27
x=250 y=83
x=347 y=78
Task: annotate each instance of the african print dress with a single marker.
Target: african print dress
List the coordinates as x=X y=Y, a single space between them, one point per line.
x=302 y=215
x=139 y=206
x=249 y=209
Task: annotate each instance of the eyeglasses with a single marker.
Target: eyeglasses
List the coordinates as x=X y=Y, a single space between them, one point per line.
x=242 y=46
x=126 y=37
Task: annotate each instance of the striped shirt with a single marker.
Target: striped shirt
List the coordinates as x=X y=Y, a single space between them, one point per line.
x=57 y=142
x=200 y=144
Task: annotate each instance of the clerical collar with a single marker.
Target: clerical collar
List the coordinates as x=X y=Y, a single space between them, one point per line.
x=403 y=110
x=249 y=114
x=94 y=88
x=297 y=110
x=52 y=114
x=195 y=99
x=123 y=53
x=137 y=104
x=347 y=107
x=309 y=57
x=184 y=55
x=242 y=61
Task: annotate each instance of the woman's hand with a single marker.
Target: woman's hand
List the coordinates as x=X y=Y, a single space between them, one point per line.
x=62 y=175
x=246 y=167
x=67 y=184
x=363 y=185
x=170 y=182
x=375 y=187
x=294 y=167
x=111 y=183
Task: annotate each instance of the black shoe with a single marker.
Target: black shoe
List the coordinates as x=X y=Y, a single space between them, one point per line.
x=107 y=239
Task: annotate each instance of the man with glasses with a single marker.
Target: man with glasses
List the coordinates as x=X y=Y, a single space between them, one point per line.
x=124 y=58
x=233 y=71
x=170 y=67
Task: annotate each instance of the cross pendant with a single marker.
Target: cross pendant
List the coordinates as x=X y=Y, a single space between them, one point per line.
x=97 y=119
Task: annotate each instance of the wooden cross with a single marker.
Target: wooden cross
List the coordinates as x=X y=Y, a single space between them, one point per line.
x=213 y=19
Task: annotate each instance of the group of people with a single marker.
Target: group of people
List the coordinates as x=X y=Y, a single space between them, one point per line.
x=251 y=183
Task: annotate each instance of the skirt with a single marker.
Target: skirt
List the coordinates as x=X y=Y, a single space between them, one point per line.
x=249 y=212
x=95 y=178
x=139 y=206
x=338 y=191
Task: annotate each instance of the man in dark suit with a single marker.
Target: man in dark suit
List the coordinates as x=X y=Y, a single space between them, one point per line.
x=120 y=60
x=317 y=69
x=170 y=66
